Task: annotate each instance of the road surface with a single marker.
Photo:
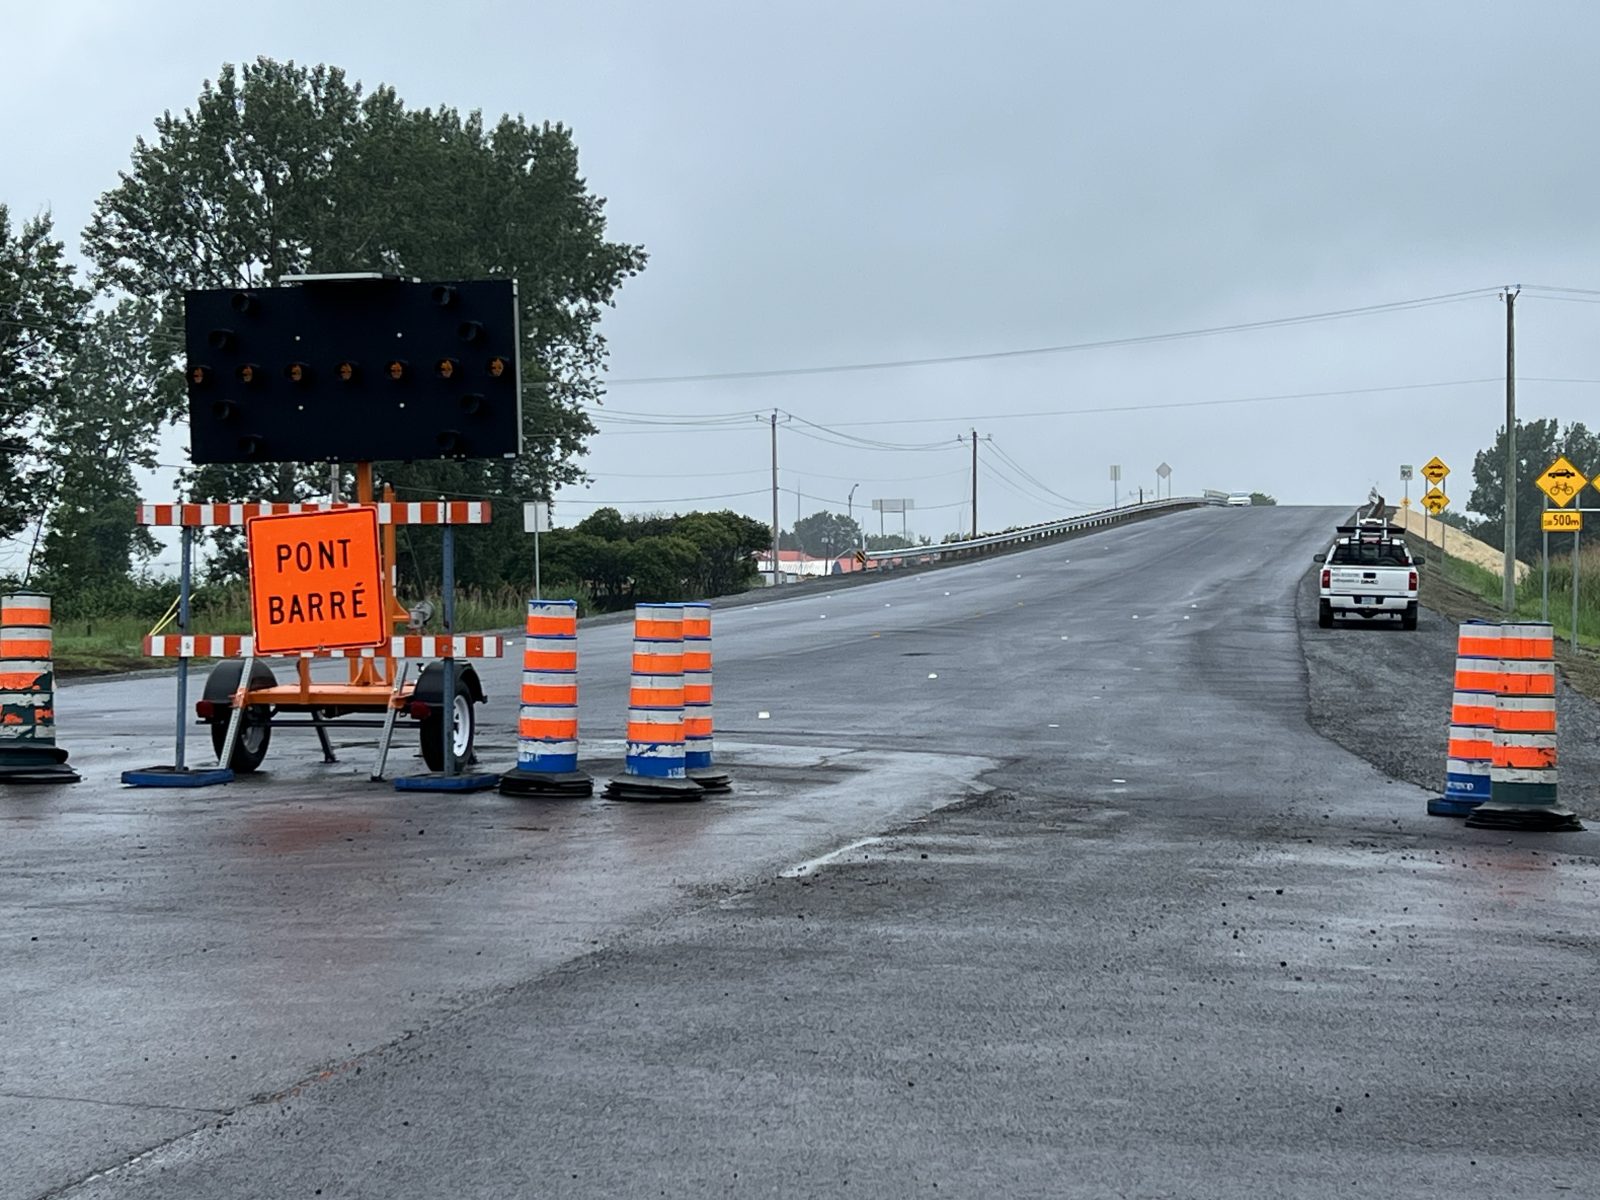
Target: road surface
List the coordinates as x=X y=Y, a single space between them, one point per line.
x=1035 y=880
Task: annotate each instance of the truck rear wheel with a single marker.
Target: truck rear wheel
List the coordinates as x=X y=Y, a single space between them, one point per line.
x=1324 y=614
x=1409 y=619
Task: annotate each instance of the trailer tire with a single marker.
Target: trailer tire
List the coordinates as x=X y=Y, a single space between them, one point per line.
x=255 y=732
x=463 y=716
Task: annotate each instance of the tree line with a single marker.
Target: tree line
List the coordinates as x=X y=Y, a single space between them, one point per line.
x=280 y=169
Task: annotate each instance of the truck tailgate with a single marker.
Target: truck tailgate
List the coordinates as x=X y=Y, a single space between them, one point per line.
x=1369 y=581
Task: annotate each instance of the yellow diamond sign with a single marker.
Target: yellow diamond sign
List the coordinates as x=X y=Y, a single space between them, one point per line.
x=1561 y=481
x=1435 y=501
x=1434 y=470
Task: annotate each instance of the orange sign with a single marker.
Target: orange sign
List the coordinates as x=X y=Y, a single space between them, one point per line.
x=316 y=581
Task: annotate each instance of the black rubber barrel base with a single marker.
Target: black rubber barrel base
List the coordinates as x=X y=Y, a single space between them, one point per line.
x=639 y=787
x=1535 y=819
x=565 y=785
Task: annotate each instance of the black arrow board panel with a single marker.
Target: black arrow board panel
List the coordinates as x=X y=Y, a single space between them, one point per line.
x=354 y=371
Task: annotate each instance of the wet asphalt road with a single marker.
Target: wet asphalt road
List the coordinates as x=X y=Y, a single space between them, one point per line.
x=1171 y=941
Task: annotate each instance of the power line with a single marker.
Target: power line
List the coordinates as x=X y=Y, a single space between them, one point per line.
x=1033 y=479
x=850 y=439
x=1065 y=348
x=662 y=500
x=1169 y=404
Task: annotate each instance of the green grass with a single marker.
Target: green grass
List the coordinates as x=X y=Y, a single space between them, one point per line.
x=1487 y=585
x=1466 y=575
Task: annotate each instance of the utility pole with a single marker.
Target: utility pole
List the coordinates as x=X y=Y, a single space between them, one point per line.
x=974 y=483
x=775 y=575
x=1509 y=584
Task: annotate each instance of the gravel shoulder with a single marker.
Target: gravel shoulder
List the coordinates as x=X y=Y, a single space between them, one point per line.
x=1384 y=693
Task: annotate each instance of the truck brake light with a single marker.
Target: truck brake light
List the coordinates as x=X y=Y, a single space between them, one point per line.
x=1413 y=581
x=1327 y=578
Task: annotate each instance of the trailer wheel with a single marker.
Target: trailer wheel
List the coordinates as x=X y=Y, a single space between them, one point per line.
x=255 y=733
x=463 y=724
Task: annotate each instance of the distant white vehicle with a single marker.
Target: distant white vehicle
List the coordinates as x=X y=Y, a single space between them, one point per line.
x=1241 y=499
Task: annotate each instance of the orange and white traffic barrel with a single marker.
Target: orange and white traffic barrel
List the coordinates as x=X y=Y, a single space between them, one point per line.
x=1523 y=773
x=28 y=750
x=654 y=767
x=1472 y=709
x=699 y=751
x=547 y=717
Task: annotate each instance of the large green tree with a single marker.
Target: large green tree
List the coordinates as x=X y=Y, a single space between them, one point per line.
x=41 y=320
x=117 y=396
x=827 y=534
x=1539 y=443
x=282 y=169
x=621 y=560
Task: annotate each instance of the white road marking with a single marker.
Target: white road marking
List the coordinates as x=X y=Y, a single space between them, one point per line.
x=800 y=870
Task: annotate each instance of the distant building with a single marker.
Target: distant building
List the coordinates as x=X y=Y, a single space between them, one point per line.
x=795 y=566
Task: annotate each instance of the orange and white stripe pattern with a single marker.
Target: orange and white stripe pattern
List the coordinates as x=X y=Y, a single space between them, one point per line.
x=1523 y=771
x=697 y=719
x=239 y=645
x=1472 y=719
x=27 y=672
x=420 y=512
x=547 y=720
x=655 y=748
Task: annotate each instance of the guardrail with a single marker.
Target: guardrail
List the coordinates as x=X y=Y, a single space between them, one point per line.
x=1033 y=533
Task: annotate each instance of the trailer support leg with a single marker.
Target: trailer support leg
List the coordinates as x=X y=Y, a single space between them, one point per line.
x=388 y=720
x=238 y=710
x=328 y=755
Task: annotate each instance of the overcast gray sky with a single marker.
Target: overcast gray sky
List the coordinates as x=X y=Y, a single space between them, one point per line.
x=834 y=183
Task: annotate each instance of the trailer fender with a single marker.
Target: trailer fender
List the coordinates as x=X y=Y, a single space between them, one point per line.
x=430 y=684
x=223 y=681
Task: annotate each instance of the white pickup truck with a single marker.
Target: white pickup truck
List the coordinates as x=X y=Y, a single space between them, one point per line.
x=1368 y=572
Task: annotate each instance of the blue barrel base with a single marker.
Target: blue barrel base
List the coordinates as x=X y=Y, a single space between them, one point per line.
x=439 y=782
x=176 y=777
x=644 y=787
x=557 y=785
x=710 y=779
x=1450 y=806
x=1527 y=817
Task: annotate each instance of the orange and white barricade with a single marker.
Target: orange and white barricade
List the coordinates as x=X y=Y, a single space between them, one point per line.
x=547 y=719
x=699 y=750
x=1472 y=709
x=1522 y=773
x=28 y=750
x=654 y=767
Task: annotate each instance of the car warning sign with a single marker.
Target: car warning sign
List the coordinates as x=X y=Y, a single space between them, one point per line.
x=1561 y=481
x=316 y=581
